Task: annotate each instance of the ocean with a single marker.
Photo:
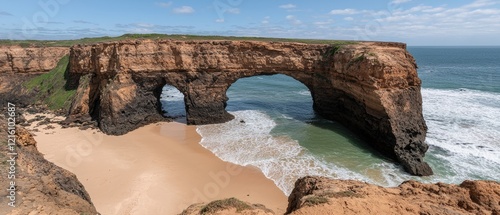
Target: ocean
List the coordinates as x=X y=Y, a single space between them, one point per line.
x=284 y=138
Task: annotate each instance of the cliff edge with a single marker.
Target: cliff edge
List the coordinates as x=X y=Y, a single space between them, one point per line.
x=41 y=187
x=370 y=87
x=16 y=59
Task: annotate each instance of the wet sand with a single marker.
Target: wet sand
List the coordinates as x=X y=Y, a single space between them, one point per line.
x=156 y=169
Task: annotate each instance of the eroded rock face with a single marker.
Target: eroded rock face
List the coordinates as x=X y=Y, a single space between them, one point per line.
x=18 y=65
x=41 y=186
x=372 y=88
x=16 y=59
x=320 y=195
x=229 y=206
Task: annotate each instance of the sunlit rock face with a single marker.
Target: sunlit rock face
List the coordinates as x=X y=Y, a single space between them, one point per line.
x=371 y=87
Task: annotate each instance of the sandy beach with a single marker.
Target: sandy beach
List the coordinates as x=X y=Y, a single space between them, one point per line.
x=156 y=169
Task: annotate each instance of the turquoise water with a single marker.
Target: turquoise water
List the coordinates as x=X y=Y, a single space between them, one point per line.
x=283 y=136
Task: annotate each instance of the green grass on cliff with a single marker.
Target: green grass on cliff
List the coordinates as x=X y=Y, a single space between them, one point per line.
x=51 y=87
x=336 y=46
x=67 y=43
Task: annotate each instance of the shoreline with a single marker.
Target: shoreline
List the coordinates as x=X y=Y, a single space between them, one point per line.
x=158 y=168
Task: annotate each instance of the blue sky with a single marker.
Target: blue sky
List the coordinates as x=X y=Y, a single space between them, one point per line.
x=424 y=22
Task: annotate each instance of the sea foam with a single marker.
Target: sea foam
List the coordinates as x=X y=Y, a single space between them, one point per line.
x=247 y=140
x=172 y=102
x=464 y=132
x=463 y=135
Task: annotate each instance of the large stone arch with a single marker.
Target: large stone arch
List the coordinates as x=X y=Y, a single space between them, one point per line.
x=209 y=106
x=372 y=88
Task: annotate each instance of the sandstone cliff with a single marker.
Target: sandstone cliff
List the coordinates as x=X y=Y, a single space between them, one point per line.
x=16 y=59
x=370 y=87
x=319 y=195
x=18 y=65
x=42 y=187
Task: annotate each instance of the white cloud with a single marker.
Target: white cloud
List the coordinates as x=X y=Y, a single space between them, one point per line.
x=183 y=10
x=266 y=20
x=288 y=6
x=327 y=22
x=84 y=22
x=433 y=10
x=480 y=3
x=422 y=23
x=399 y=1
x=144 y=25
x=164 y=4
x=473 y=22
x=293 y=20
x=233 y=10
x=345 y=12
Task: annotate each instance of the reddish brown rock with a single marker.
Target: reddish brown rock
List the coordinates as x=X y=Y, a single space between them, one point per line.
x=16 y=59
x=319 y=195
x=41 y=186
x=227 y=207
x=18 y=64
x=370 y=87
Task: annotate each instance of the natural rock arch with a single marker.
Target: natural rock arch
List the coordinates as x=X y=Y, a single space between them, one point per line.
x=372 y=88
x=172 y=103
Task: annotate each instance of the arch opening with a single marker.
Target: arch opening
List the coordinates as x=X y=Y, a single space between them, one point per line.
x=276 y=129
x=275 y=94
x=288 y=103
x=172 y=103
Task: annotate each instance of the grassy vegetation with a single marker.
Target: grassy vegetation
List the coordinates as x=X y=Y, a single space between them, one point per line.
x=359 y=58
x=220 y=205
x=336 y=46
x=356 y=60
x=49 y=43
x=51 y=87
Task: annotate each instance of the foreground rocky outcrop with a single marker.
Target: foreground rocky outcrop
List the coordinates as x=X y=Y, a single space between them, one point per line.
x=319 y=195
x=227 y=207
x=41 y=186
x=371 y=87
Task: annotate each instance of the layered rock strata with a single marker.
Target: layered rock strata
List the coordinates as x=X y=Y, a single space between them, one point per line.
x=16 y=59
x=371 y=87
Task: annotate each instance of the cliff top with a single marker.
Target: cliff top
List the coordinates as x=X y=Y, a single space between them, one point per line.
x=86 y=41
